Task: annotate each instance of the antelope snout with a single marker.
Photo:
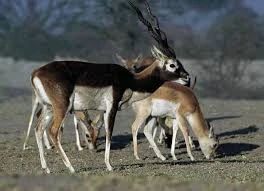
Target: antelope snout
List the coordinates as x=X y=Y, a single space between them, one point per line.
x=185 y=75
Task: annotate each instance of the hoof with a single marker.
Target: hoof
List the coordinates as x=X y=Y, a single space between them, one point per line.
x=110 y=168
x=162 y=158
x=79 y=148
x=27 y=148
x=71 y=169
x=46 y=170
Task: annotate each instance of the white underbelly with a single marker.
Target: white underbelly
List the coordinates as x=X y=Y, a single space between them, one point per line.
x=163 y=108
x=89 y=98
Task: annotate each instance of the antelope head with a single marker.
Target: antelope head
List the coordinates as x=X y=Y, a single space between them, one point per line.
x=209 y=144
x=165 y=55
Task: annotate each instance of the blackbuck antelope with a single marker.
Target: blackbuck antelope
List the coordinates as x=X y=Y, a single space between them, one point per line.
x=179 y=103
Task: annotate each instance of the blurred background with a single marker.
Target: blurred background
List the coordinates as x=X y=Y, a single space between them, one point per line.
x=219 y=41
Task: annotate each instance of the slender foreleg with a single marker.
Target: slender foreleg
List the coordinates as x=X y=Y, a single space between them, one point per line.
x=109 y=119
x=184 y=128
x=174 y=133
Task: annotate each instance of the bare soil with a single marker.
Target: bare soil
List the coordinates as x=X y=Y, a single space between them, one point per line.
x=239 y=164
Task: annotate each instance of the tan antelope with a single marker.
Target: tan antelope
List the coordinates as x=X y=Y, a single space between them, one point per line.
x=89 y=128
x=179 y=103
x=175 y=101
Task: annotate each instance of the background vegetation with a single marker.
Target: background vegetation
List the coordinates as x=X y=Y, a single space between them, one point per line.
x=223 y=36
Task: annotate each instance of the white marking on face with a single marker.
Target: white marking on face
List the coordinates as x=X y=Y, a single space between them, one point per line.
x=164 y=108
x=41 y=91
x=171 y=65
x=180 y=81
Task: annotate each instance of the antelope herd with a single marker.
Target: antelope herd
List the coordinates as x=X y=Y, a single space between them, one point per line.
x=156 y=87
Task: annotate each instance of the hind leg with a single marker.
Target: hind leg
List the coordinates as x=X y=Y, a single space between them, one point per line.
x=154 y=132
x=191 y=142
x=35 y=108
x=161 y=135
x=139 y=121
x=46 y=140
x=61 y=110
x=142 y=112
x=43 y=121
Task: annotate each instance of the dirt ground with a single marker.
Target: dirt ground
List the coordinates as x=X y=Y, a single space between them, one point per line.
x=239 y=164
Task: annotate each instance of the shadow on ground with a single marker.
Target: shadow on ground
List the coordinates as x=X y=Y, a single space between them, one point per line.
x=119 y=141
x=222 y=117
x=224 y=149
x=242 y=131
x=232 y=149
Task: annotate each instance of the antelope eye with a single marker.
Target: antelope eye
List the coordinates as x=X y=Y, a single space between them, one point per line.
x=172 y=66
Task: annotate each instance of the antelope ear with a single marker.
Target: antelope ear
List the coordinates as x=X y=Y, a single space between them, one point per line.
x=121 y=60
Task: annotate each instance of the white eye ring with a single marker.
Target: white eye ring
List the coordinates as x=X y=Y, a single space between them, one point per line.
x=171 y=65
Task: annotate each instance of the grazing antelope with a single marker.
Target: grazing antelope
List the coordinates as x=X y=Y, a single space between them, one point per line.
x=179 y=103
x=166 y=102
x=88 y=128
